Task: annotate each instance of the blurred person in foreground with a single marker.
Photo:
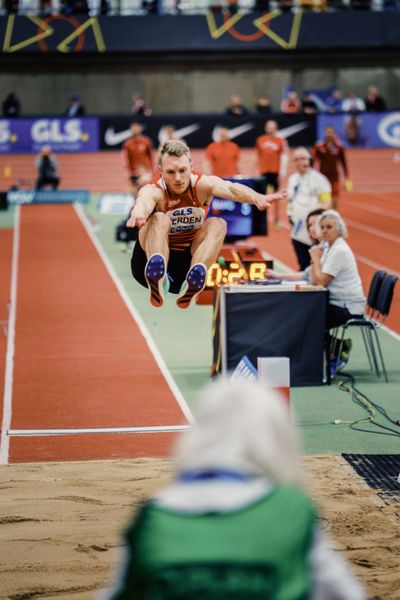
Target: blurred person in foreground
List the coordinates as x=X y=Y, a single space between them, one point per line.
x=272 y=155
x=177 y=243
x=329 y=157
x=222 y=155
x=307 y=190
x=236 y=522
x=137 y=155
x=47 y=167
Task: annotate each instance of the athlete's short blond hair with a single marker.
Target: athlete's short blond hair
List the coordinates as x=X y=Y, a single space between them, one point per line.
x=174 y=148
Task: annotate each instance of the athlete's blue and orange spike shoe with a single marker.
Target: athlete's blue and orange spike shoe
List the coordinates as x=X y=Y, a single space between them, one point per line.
x=193 y=285
x=155 y=273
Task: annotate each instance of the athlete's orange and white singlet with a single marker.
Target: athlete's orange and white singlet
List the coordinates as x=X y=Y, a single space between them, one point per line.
x=185 y=211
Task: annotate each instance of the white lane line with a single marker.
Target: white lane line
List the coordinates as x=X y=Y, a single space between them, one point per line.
x=9 y=370
x=96 y=430
x=372 y=208
x=373 y=231
x=137 y=318
x=375 y=265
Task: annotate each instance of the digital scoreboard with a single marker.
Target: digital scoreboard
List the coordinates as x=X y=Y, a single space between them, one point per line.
x=237 y=264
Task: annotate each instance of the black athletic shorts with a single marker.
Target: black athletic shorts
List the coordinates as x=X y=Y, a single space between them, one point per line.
x=178 y=266
x=271 y=179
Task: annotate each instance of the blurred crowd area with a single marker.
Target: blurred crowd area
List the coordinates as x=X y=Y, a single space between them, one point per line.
x=188 y=7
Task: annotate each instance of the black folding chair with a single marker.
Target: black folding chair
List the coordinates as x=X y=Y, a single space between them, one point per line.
x=379 y=301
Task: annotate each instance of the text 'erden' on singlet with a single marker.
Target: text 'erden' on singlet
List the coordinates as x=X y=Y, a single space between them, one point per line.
x=185 y=211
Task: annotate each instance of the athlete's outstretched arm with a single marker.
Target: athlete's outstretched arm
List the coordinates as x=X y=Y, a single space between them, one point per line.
x=242 y=193
x=144 y=205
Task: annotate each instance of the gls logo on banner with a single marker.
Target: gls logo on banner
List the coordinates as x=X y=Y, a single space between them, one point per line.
x=46 y=131
x=389 y=130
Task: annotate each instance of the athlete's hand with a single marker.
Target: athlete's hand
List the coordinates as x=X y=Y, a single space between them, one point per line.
x=266 y=201
x=137 y=219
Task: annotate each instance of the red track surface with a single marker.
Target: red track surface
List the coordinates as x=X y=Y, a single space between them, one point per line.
x=80 y=359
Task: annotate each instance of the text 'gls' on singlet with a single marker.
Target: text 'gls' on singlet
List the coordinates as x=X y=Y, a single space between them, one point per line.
x=185 y=211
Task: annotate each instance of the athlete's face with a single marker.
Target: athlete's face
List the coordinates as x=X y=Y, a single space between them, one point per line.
x=176 y=171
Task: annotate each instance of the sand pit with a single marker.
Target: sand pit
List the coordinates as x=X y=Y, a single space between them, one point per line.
x=61 y=524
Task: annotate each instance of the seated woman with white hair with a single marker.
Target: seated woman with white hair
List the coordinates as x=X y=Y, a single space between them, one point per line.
x=236 y=522
x=335 y=268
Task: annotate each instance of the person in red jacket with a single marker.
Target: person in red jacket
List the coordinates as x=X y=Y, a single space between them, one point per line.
x=272 y=154
x=330 y=159
x=223 y=155
x=137 y=154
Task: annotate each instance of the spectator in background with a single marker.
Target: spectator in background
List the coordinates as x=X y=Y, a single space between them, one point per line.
x=137 y=153
x=307 y=190
x=272 y=154
x=334 y=101
x=222 y=156
x=330 y=158
x=11 y=106
x=167 y=133
x=45 y=8
x=236 y=521
x=139 y=106
x=353 y=104
x=291 y=104
x=307 y=104
x=263 y=106
x=236 y=108
x=74 y=7
x=374 y=102
x=47 y=167
x=75 y=107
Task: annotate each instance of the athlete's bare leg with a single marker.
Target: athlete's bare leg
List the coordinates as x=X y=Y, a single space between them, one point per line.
x=208 y=242
x=205 y=250
x=153 y=238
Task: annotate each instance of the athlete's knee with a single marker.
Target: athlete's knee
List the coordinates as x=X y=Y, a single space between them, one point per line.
x=217 y=226
x=160 y=220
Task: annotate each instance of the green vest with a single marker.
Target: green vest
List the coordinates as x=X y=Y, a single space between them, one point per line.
x=258 y=552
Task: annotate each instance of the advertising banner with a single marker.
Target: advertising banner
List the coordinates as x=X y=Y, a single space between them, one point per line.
x=20 y=136
x=47 y=197
x=215 y=31
x=199 y=130
x=363 y=130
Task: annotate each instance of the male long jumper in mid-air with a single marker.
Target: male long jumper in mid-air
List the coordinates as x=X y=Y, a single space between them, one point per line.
x=177 y=244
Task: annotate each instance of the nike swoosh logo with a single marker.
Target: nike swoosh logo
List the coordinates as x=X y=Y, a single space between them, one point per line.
x=234 y=132
x=112 y=138
x=292 y=129
x=178 y=133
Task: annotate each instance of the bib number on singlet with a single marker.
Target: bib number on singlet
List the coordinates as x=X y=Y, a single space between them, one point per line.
x=186 y=219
